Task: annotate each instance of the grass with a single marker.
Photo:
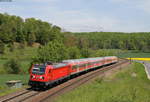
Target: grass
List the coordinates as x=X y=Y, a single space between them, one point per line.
x=129 y=85
x=23 y=55
x=134 y=55
x=6 y=77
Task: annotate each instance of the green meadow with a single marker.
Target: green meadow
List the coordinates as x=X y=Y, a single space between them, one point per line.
x=134 y=55
x=128 y=85
x=4 y=89
x=24 y=57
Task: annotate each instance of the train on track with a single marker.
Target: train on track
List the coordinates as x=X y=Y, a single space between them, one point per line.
x=43 y=75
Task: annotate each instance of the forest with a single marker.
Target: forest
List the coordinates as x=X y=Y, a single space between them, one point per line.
x=116 y=40
x=31 y=30
x=55 y=45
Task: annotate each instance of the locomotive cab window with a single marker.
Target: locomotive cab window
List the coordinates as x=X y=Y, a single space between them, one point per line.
x=39 y=70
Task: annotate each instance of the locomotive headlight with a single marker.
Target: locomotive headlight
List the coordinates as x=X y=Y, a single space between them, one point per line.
x=32 y=76
x=41 y=77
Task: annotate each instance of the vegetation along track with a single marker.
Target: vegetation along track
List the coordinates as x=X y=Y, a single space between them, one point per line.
x=49 y=95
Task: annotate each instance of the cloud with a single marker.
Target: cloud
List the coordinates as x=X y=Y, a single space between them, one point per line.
x=81 y=21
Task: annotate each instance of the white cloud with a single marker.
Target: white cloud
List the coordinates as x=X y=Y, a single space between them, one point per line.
x=80 y=21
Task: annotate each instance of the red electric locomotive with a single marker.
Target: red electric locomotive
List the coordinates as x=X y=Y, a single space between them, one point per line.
x=47 y=74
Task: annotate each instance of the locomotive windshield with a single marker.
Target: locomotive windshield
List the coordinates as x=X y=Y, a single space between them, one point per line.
x=38 y=69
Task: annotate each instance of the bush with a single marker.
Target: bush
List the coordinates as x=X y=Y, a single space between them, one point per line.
x=12 y=66
x=2 y=47
x=11 y=47
x=21 y=46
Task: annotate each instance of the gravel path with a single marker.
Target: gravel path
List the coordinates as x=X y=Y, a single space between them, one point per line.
x=147 y=68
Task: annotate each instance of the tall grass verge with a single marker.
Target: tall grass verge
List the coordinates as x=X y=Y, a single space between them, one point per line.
x=128 y=85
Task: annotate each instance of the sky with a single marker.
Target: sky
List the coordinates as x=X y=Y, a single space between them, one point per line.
x=85 y=15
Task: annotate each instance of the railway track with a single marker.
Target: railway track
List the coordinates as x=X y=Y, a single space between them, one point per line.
x=49 y=95
x=20 y=96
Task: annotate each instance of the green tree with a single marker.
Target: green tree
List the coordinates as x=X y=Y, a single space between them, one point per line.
x=86 y=52
x=31 y=39
x=54 y=51
x=55 y=33
x=74 y=53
